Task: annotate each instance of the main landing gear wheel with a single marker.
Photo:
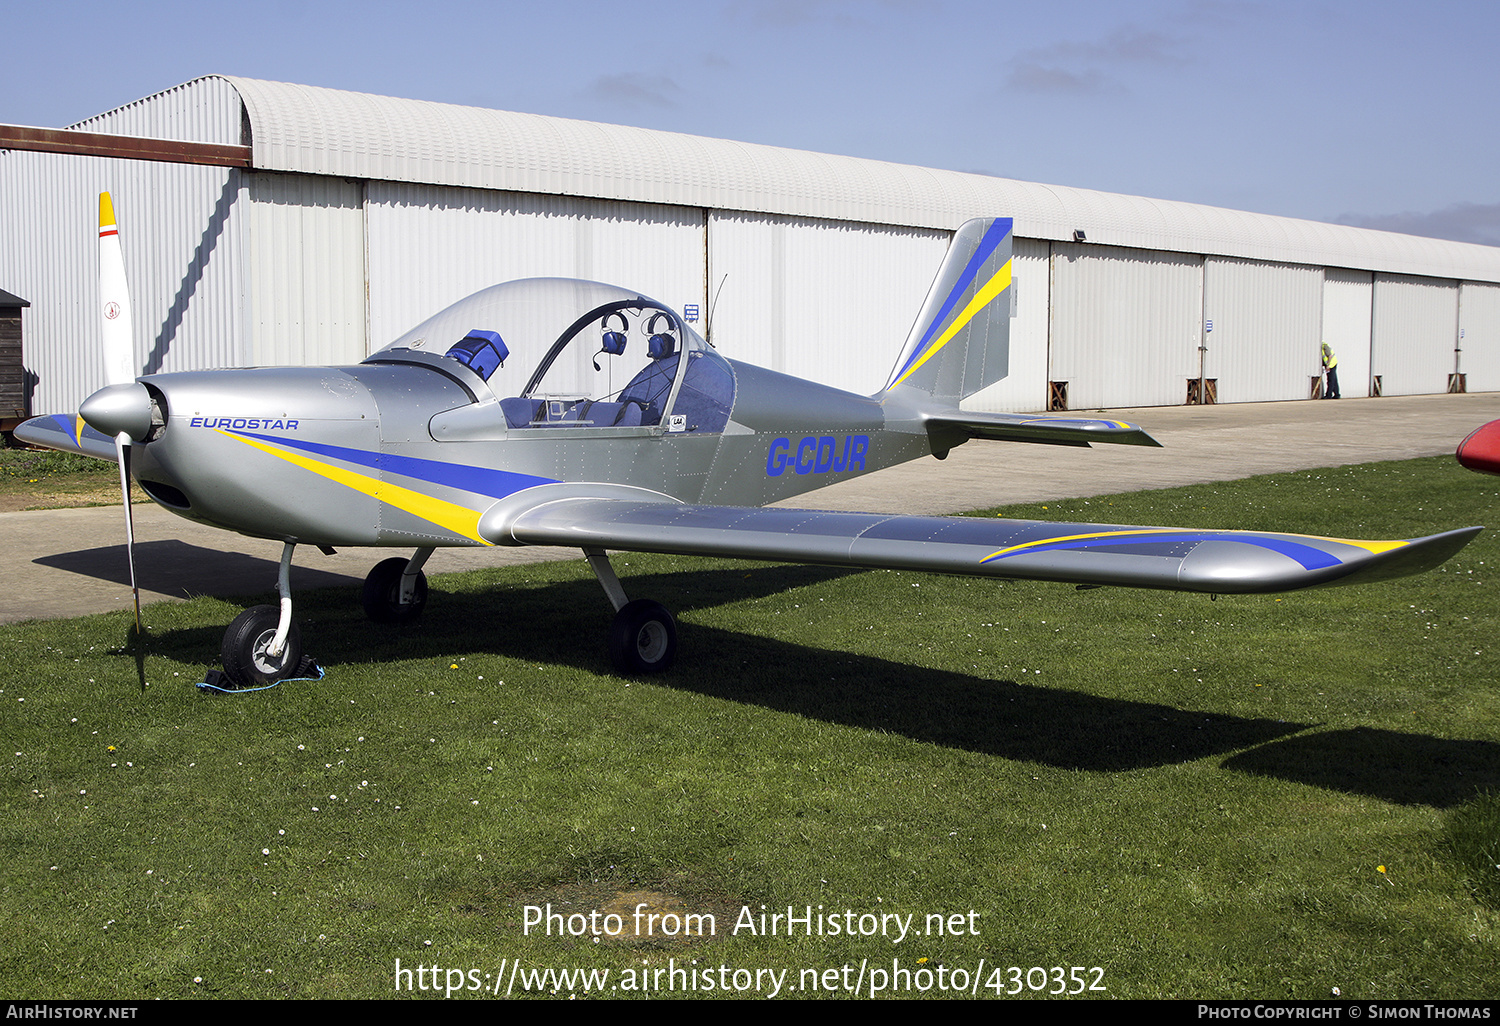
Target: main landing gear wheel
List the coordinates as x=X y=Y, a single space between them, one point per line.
x=381 y=596
x=245 y=652
x=643 y=638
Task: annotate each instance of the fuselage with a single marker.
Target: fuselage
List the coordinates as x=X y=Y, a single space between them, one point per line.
x=407 y=452
x=414 y=445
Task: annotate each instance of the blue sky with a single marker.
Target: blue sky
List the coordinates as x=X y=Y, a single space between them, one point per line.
x=1376 y=112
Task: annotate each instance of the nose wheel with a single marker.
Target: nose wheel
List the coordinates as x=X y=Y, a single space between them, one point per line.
x=248 y=646
x=263 y=645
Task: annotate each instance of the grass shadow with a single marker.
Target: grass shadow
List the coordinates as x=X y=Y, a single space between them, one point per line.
x=180 y=568
x=564 y=623
x=1407 y=769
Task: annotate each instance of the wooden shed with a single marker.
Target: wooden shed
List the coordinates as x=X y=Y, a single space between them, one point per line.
x=14 y=395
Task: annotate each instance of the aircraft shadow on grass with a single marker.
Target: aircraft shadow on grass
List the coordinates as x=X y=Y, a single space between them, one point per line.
x=1065 y=729
x=549 y=624
x=180 y=569
x=1405 y=769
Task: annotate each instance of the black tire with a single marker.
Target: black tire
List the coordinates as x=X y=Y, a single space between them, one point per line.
x=246 y=661
x=381 y=596
x=643 y=638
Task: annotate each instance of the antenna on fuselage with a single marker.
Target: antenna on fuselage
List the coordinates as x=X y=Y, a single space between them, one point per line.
x=708 y=327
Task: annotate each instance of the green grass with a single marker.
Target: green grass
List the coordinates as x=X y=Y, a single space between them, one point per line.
x=1257 y=797
x=32 y=464
x=47 y=478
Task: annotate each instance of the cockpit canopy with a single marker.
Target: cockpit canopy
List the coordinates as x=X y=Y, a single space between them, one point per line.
x=599 y=356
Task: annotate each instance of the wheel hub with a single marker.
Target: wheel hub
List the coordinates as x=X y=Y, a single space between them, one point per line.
x=261 y=656
x=651 y=642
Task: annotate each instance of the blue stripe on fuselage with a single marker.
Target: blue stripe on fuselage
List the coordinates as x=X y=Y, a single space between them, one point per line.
x=480 y=480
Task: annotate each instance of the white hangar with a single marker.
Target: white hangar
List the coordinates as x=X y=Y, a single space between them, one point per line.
x=298 y=224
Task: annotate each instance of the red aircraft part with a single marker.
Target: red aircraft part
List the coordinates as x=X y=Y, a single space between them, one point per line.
x=1481 y=450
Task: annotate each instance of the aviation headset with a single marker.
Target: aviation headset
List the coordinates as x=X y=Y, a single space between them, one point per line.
x=662 y=344
x=612 y=342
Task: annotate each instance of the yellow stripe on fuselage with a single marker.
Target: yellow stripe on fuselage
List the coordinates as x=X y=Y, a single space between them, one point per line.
x=450 y=515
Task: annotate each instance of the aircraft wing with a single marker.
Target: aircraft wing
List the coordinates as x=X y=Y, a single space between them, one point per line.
x=70 y=434
x=1221 y=562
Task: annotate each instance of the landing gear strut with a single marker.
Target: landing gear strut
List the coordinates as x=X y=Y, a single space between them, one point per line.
x=262 y=645
x=643 y=636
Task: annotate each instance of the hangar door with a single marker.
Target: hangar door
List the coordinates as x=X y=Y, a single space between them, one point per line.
x=1125 y=325
x=1479 y=322
x=306 y=270
x=1414 y=333
x=1346 y=328
x=1264 y=343
x=430 y=246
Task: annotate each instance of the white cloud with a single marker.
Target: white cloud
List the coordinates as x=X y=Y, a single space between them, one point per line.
x=1461 y=222
x=634 y=89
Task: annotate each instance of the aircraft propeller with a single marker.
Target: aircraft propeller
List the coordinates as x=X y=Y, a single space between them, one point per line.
x=123 y=410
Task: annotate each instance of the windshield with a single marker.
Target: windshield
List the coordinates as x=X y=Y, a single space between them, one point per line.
x=560 y=351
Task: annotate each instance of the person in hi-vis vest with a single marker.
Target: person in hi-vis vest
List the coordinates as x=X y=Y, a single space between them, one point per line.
x=1330 y=367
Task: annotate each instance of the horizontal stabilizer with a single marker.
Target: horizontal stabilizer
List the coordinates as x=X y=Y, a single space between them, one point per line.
x=1010 y=427
x=70 y=434
x=1219 y=562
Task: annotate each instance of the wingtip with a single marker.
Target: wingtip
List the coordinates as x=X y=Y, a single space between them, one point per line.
x=66 y=434
x=1417 y=556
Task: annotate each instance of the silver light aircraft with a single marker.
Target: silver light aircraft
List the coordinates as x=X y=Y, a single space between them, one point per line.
x=628 y=432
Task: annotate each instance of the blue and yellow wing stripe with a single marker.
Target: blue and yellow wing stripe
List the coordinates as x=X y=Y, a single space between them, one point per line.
x=66 y=434
x=1215 y=562
x=1305 y=550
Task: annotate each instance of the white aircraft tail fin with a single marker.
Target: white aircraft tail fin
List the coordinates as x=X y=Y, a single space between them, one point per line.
x=961 y=341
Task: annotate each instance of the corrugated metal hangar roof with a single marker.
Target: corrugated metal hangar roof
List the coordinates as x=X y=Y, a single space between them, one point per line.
x=321 y=131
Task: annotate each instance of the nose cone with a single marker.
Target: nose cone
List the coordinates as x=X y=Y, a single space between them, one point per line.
x=119 y=409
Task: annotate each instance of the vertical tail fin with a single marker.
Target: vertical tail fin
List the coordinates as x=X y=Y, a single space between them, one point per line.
x=961 y=341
